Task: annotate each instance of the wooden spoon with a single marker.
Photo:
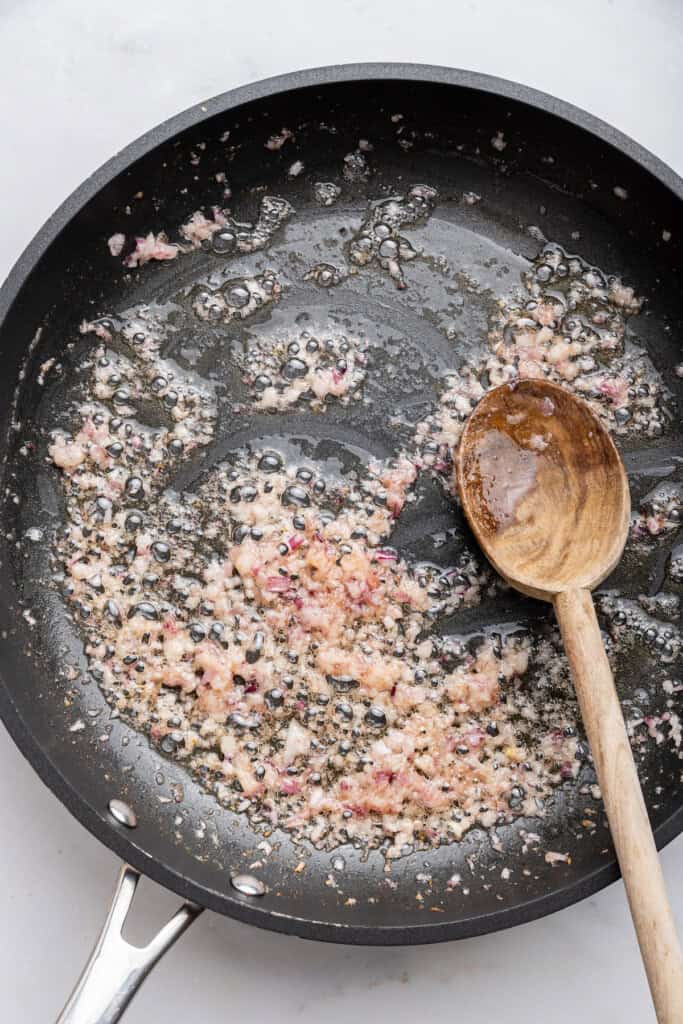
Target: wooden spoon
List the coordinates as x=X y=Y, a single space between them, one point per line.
x=546 y=494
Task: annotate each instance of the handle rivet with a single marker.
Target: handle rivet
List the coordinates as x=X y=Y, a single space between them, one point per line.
x=123 y=813
x=247 y=885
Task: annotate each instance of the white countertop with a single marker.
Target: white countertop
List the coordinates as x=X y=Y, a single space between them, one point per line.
x=87 y=78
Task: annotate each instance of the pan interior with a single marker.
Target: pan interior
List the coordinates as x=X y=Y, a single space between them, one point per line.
x=538 y=179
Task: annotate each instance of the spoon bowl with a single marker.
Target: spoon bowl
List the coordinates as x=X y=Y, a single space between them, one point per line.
x=544 y=488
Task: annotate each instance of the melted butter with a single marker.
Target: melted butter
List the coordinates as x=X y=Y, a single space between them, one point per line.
x=508 y=472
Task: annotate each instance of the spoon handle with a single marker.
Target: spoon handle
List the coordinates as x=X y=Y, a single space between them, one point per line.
x=623 y=798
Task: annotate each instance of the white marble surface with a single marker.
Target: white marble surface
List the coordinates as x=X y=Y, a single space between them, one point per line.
x=79 y=80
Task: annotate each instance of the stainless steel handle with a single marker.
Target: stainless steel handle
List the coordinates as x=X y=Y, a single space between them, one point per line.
x=116 y=969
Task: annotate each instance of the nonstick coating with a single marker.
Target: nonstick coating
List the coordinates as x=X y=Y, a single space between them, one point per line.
x=557 y=158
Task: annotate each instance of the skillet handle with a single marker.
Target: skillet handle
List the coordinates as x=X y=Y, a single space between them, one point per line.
x=116 y=969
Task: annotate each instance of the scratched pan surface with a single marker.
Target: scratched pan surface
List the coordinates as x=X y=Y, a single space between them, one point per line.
x=553 y=155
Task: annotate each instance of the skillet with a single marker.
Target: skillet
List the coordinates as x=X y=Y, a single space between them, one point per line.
x=560 y=169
